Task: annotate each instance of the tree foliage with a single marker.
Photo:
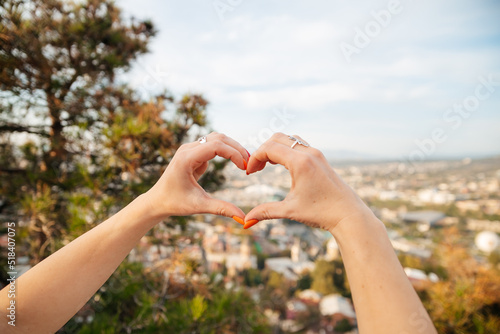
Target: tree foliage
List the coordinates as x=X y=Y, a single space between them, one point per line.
x=74 y=144
x=329 y=277
x=468 y=299
x=150 y=302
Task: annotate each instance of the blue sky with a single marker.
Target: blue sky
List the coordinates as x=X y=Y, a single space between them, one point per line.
x=283 y=65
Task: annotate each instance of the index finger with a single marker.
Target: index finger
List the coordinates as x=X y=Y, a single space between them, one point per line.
x=225 y=147
x=211 y=149
x=275 y=150
x=231 y=142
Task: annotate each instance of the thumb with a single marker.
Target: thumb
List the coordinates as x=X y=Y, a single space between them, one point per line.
x=272 y=210
x=221 y=208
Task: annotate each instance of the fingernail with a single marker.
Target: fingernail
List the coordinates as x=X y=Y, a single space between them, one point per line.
x=239 y=220
x=248 y=153
x=245 y=163
x=250 y=223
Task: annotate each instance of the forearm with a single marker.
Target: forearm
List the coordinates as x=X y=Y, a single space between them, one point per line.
x=384 y=299
x=54 y=290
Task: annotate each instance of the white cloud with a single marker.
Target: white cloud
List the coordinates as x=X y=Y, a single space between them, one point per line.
x=267 y=54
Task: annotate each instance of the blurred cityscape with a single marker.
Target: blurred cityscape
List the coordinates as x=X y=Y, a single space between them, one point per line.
x=442 y=217
x=296 y=273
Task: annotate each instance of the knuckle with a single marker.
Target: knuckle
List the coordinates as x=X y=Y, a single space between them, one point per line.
x=267 y=145
x=181 y=152
x=216 y=144
x=219 y=145
x=316 y=153
x=219 y=136
x=266 y=214
x=212 y=135
x=264 y=147
x=221 y=211
x=183 y=147
x=303 y=161
x=277 y=135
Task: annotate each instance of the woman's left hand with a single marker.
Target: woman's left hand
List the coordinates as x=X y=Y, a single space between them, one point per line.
x=177 y=192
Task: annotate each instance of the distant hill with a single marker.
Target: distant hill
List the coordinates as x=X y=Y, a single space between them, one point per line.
x=346 y=155
x=355 y=156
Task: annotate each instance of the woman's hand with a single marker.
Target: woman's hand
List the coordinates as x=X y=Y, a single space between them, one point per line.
x=177 y=192
x=384 y=299
x=103 y=248
x=318 y=197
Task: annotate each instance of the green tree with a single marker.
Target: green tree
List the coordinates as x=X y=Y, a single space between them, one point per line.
x=494 y=258
x=151 y=304
x=75 y=145
x=467 y=300
x=304 y=282
x=329 y=277
x=276 y=281
x=252 y=277
x=343 y=326
x=224 y=312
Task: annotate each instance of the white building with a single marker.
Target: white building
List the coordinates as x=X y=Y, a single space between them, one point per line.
x=336 y=304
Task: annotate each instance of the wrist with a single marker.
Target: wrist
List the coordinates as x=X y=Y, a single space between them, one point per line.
x=146 y=208
x=357 y=226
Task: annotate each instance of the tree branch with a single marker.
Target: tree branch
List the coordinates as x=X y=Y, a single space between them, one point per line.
x=21 y=128
x=12 y=171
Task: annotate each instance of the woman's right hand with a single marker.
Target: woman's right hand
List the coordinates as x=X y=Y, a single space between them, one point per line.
x=318 y=197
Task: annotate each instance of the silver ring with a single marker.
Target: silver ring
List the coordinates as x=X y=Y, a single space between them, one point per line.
x=297 y=141
x=202 y=140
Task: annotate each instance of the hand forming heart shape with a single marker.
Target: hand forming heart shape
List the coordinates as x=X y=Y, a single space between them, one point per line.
x=317 y=197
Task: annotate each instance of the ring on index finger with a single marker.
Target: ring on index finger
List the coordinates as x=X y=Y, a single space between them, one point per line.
x=297 y=141
x=202 y=140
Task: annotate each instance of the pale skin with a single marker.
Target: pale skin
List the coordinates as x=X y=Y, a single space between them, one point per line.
x=384 y=299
